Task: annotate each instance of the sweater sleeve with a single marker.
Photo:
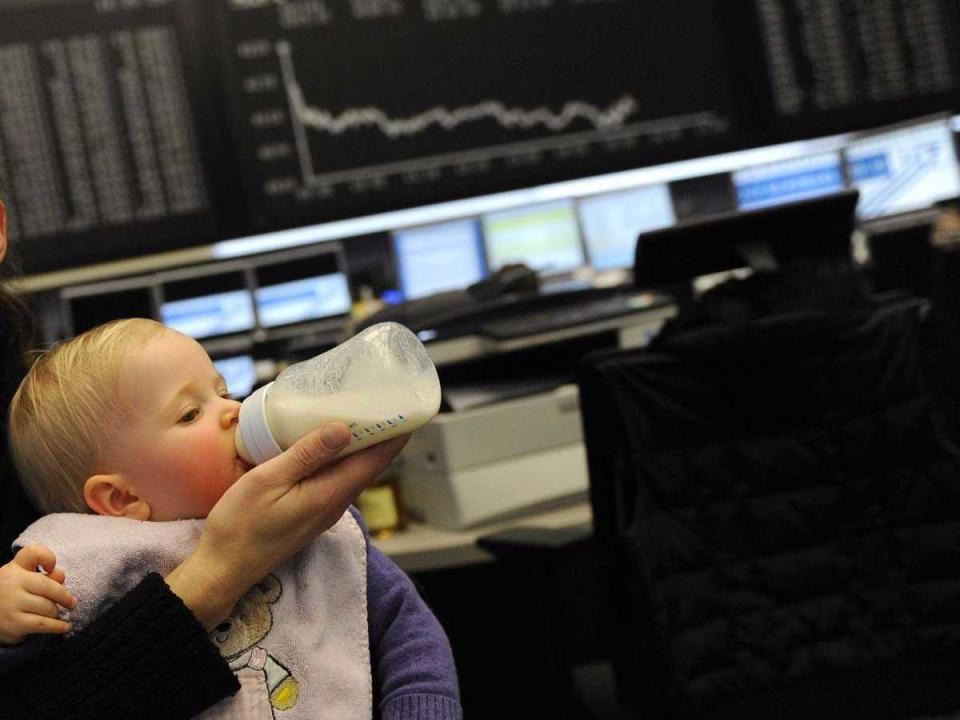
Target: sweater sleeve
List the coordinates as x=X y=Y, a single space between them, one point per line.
x=145 y=657
x=15 y=656
x=413 y=669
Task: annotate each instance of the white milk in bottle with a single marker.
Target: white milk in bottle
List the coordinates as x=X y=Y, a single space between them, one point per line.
x=381 y=384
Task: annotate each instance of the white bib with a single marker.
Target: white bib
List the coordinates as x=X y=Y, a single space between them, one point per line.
x=297 y=641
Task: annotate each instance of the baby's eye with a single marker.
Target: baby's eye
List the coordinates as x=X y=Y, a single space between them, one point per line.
x=189 y=416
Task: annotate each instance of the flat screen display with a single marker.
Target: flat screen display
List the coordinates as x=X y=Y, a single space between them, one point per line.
x=345 y=109
x=789 y=181
x=437 y=258
x=904 y=170
x=88 y=311
x=301 y=288
x=208 y=306
x=612 y=222
x=304 y=299
x=545 y=238
x=239 y=372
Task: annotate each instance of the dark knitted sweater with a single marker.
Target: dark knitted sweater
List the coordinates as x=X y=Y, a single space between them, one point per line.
x=146 y=657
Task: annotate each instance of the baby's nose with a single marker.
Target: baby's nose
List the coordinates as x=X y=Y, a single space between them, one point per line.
x=231 y=414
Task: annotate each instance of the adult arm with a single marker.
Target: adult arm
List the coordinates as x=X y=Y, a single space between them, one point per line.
x=414 y=674
x=145 y=657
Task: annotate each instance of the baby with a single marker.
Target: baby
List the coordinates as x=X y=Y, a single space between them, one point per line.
x=130 y=422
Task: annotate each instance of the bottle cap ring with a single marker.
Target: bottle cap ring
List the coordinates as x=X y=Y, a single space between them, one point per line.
x=255 y=442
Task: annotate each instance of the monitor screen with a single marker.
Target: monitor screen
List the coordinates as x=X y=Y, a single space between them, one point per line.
x=208 y=306
x=789 y=181
x=89 y=310
x=239 y=372
x=545 y=237
x=818 y=229
x=611 y=223
x=305 y=299
x=431 y=113
x=835 y=65
x=103 y=118
x=436 y=258
x=300 y=289
x=904 y=170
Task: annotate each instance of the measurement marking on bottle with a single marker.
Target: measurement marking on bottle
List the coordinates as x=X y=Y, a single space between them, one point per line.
x=363 y=432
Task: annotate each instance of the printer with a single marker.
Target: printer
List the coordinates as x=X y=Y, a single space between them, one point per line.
x=512 y=443
x=495 y=461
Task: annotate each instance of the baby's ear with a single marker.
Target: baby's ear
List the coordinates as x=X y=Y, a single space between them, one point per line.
x=111 y=495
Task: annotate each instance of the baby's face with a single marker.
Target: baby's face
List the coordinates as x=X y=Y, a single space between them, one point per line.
x=173 y=440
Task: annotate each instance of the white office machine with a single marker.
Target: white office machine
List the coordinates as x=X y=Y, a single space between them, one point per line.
x=499 y=460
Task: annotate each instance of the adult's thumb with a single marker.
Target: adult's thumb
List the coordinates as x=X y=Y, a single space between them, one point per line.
x=313 y=451
x=334 y=436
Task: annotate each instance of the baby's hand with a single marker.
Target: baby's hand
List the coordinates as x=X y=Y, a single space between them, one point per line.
x=29 y=599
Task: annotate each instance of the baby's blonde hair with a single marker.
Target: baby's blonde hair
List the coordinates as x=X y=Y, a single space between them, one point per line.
x=58 y=416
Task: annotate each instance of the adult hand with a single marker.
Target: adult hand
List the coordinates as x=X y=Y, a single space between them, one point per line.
x=270 y=513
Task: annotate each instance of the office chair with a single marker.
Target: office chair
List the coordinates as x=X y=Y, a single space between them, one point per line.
x=901 y=255
x=776 y=496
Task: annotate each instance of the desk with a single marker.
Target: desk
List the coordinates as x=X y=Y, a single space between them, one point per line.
x=633 y=329
x=422 y=548
x=501 y=617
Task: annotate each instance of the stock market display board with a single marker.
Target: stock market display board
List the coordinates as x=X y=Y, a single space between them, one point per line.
x=128 y=126
x=375 y=102
x=97 y=133
x=843 y=64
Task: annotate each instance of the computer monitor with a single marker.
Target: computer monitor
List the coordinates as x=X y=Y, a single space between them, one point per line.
x=108 y=133
x=206 y=306
x=611 y=223
x=437 y=258
x=300 y=289
x=904 y=169
x=544 y=237
x=789 y=181
x=239 y=372
x=99 y=304
x=819 y=228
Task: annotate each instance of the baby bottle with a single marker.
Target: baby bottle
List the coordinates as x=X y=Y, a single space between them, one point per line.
x=380 y=383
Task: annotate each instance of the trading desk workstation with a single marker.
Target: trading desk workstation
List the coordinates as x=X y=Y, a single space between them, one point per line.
x=227 y=184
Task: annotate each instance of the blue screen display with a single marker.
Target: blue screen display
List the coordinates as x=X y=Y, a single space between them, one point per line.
x=437 y=258
x=210 y=315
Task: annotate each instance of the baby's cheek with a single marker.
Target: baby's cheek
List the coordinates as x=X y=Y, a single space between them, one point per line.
x=210 y=475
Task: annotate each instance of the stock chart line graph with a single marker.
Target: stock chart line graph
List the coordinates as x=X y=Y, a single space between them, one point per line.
x=507 y=117
x=611 y=121
x=356 y=107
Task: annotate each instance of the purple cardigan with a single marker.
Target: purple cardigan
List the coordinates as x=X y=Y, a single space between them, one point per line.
x=414 y=675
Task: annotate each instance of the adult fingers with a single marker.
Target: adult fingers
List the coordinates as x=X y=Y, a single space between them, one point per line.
x=374 y=460
x=48 y=588
x=33 y=555
x=309 y=454
x=42 y=624
x=342 y=484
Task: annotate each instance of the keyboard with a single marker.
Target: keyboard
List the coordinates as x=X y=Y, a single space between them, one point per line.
x=526 y=322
